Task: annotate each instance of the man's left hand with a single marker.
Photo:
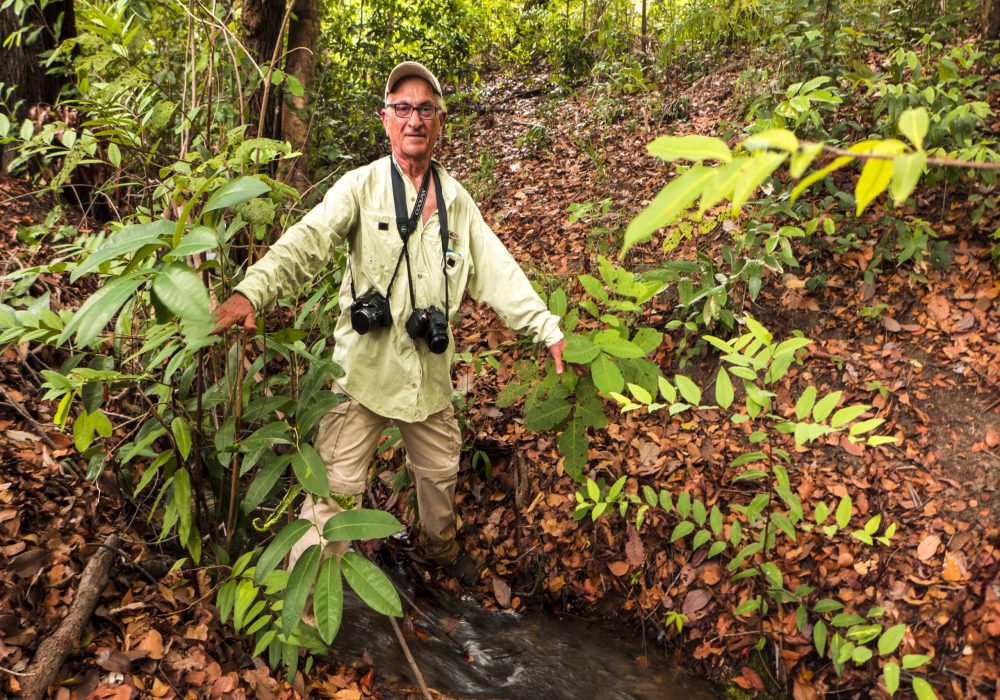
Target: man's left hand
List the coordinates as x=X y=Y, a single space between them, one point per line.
x=557 y=350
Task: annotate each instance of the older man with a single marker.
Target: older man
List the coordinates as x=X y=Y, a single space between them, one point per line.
x=416 y=243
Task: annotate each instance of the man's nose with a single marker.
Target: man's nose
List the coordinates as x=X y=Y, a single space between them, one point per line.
x=414 y=120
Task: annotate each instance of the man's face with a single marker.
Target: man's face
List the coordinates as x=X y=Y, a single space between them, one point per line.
x=412 y=138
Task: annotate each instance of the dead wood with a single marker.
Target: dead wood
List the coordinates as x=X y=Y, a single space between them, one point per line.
x=53 y=652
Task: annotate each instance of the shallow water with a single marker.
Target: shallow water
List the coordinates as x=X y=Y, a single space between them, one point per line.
x=514 y=655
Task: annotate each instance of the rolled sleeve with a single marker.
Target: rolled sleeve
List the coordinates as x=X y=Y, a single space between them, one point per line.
x=499 y=281
x=304 y=249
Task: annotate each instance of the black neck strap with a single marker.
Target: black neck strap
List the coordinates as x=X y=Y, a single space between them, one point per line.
x=407 y=225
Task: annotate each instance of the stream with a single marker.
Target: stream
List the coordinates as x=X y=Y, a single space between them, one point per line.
x=464 y=651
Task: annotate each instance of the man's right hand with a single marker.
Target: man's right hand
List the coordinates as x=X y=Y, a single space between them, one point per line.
x=237 y=309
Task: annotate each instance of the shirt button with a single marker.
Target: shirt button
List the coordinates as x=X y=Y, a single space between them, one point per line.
x=413 y=385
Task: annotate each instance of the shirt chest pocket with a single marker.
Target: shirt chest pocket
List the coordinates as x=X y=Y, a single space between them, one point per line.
x=377 y=247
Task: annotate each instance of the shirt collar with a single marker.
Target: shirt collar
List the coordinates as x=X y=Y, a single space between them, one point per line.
x=447 y=181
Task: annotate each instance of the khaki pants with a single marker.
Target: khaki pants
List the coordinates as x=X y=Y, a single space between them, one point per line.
x=346 y=440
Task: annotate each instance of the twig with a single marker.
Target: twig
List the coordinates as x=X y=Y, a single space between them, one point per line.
x=27 y=416
x=409 y=657
x=944 y=162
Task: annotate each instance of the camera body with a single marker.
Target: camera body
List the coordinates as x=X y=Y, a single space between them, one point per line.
x=431 y=325
x=370 y=311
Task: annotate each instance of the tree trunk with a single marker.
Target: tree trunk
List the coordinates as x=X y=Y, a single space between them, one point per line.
x=991 y=20
x=261 y=32
x=19 y=65
x=303 y=32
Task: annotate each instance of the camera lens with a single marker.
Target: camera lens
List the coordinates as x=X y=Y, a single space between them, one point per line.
x=437 y=341
x=361 y=321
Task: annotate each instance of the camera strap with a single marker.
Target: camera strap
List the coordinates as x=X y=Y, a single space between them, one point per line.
x=407 y=225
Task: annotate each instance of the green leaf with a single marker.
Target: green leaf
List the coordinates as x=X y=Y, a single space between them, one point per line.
x=911 y=661
x=373 y=586
x=612 y=343
x=279 y=548
x=688 y=389
x=723 y=388
x=815 y=177
x=683 y=504
x=803 y=158
x=846 y=414
x=593 y=287
x=693 y=147
x=819 y=636
x=890 y=639
x=127 y=240
x=717 y=548
x=779 y=139
x=861 y=654
x=805 y=403
x=876 y=174
x=826 y=404
x=913 y=124
x=715 y=520
x=574 y=446
x=310 y=471
x=752 y=174
x=821 y=513
x=328 y=600
x=668 y=205
x=557 y=302
x=300 y=582
x=179 y=429
x=606 y=375
x=361 y=524
x=197 y=240
x=891 y=673
x=846 y=620
x=114 y=154
x=580 y=349
x=844 y=512
x=906 y=171
x=922 y=689
x=236 y=192
x=682 y=529
x=747 y=607
x=700 y=538
x=180 y=289
x=95 y=313
x=546 y=415
x=827 y=605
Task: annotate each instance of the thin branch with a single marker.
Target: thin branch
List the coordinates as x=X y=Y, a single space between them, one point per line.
x=943 y=162
x=409 y=657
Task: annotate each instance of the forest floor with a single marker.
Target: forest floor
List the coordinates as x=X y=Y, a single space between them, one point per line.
x=925 y=353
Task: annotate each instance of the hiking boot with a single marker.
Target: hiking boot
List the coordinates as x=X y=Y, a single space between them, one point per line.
x=464 y=568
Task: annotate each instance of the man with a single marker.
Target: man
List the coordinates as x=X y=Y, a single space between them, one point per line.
x=409 y=264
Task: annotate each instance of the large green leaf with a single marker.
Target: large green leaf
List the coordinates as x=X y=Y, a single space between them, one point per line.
x=180 y=289
x=752 y=175
x=198 y=240
x=300 y=582
x=373 y=586
x=361 y=524
x=612 y=343
x=95 y=313
x=279 y=547
x=668 y=205
x=128 y=240
x=689 y=390
x=606 y=375
x=723 y=389
x=328 y=599
x=310 y=470
x=913 y=124
x=546 y=415
x=693 y=147
x=906 y=171
x=876 y=174
x=573 y=446
x=923 y=690
x=890 y=639
x=580 y=349
x=236 y=192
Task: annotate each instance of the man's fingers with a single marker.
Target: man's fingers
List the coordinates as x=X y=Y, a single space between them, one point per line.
x=557 y=351
x=249 y=323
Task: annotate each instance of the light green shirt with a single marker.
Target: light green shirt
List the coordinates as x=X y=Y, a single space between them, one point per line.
x=387 y=371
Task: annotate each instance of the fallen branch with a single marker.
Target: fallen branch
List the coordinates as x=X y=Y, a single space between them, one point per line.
x=409 y=657
x=52 y=652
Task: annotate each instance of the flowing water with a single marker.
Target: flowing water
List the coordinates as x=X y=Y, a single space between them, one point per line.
x=464 y=651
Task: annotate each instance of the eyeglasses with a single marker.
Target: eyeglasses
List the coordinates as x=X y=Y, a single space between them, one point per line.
x=405 y=111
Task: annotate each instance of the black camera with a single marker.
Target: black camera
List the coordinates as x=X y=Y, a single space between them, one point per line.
x=431 y=325
x=370 y=310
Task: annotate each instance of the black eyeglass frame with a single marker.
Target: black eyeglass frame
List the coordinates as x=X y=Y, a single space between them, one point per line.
x=404 y=110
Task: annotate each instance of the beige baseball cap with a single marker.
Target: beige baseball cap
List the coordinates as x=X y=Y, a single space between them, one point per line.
x=409 y=69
